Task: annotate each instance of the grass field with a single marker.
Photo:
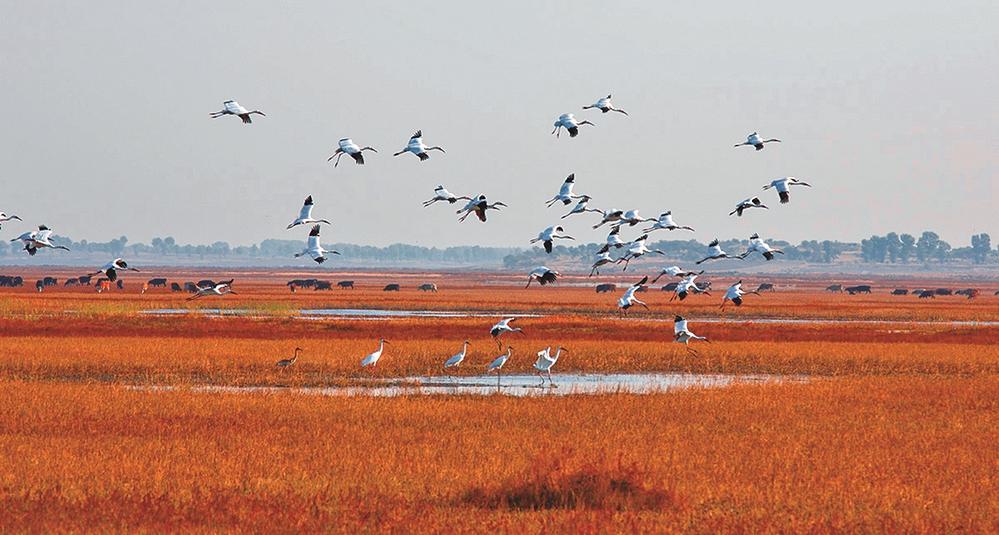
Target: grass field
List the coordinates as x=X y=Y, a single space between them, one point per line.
x=896 y=428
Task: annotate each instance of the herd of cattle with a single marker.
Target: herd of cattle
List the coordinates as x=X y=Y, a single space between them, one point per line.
x=922 y=293
x=317 y=284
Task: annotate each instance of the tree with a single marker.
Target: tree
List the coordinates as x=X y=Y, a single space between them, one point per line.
x=907 y=248
x=893 y=246
x=981 y=247
x=927 y=246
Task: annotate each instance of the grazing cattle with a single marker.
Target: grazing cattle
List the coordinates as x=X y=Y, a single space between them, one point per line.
x=765 y=287
x=671 y=287
x=323 y=285
x=926 y=294
x=120 y=284
x=603 y=288
x=85 y=280
x=49 y=281
x=703 y=285
x=157 y=283
x=391 y=288
x=346 y=284
x=39 y=285
x=176 y=287
x=943 y=291
x=428 y=287
x=834 y=288
x=970 y=293
x=71 y=282
x=642 y=288
x=861 y=289
x=191 y=287
x=204 y=283
x=900 y=291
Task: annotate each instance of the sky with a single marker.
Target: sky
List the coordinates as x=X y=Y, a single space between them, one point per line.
x=890 y=109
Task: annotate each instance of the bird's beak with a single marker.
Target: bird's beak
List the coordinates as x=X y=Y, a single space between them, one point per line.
x=387 y=342
x=806 y=184
x=134 y=269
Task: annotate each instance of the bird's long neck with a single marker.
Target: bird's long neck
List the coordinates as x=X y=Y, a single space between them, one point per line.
x=381 y=346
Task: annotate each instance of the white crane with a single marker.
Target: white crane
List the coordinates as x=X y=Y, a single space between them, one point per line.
x=348 y=147
x=111 y=269
x=231 y=107
x=756 y=245
x=221 y=288
x=610 y=216
x=683 y=335
x=666 y=222
x=5 y=218
x=603 y=258
x=672 y=271
x=565 y=193
x=581 y=207
x=605 y=105
x=628 y=299
x=613 y=240
x=372 y=358
x=457 y=358
x=305 y=215
x=746 y=204
x=782 y=186
x=442 y=194
x=735 y=293
x=570 y=123
x=38 y=239
x=637 y=249
x=478 y=206
x=545 y=363
x=284 y=363
x=503 y=326
x=543 y=275
x=315 y=249
x=755 y=140
x=548 y=236
x=497 y=364
x=417 y=147
x=688 y=286
x=632 y=218
x=715 y=252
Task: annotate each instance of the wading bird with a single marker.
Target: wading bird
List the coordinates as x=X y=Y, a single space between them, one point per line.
x=111 y=269
x=417 y=147
x=545 y=363
x=314 y=249
x=305 y=215
x=605 y=105
x=478 y=206
x=284 y=363
x=543 y=275
x=455 y=360
x=672 y=271
x=637 y=249
x=610 y=216
x=581 y=207
x=755 y=140
x=38 y=239
x=548 y=236
x=348 y=147
x=683 y=335
x=613 y=240
x=5 y=218
x=442 y=194
x=565 y=194
x=632 y=218
x=603 y=258
x=497 y=364
x=628 y=299
x=372 y=359
x=221 y=288
x=503 y=327
x=756 y=245
x=231 y=107
x=665 y=222
x=570 y=123
x=746 y=205
x=715 y=252
x=782 y=186
x=735 y=293
x=688 y=286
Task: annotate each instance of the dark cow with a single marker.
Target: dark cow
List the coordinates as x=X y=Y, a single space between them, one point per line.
x=322 y=285
x=176 y=287
x=603 y=288
x=834 y=288
x=671 y=287
x=345 y=284
x=40 y=285
x=927 y=294
x=997 y=292
x=861 y=289
x=765 y=287
x=157 y=283
x=71 y=282
x=642 y=288
x=900 y=291
x=49 y=281
x=191 y=287
x=943 y=291
x=120 y=284
x=205 y=283
x=391 y=288
x=85 y=280
x=970 y=293
x=703 y=286
x=428 y=287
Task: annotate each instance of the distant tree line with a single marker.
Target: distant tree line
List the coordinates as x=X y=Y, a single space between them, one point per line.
x=896 y=248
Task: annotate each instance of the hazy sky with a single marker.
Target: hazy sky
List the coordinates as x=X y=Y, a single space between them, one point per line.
x=890 y=108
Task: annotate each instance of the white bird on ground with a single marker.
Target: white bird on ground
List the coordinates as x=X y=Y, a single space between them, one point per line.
x=543 y=275
x=755 y=140
x=305 y=215
x=565 y=193
x=570 y=123
x=548 y=236
x=756 y=245
x=672 y=271
x=683 y=335
x=348 y=147
x=605 y=105
x=231 y=107
x=746 y=205
x=111 y=269
x=603 y=258
x=628 y=299
x=456 y=360
x=715 y=252
x=503 y=326
x=417 y=147
x=284 y=363
x=497 y=364
x=5 y=218
x=315 y=249
x=38 y=239
x=666 y=222
x=221 y=288
x=545 y=363
x=688 y=286
x=442 y=194
x=478 y=206
x=610 y=216
x=637 y=249
x=782 y=185
x=372 y=359
x=613 y=240
x=735 y=293
x=632 y=218
x=581 y=207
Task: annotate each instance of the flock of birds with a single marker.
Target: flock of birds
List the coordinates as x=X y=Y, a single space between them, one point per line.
x=630 y=250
